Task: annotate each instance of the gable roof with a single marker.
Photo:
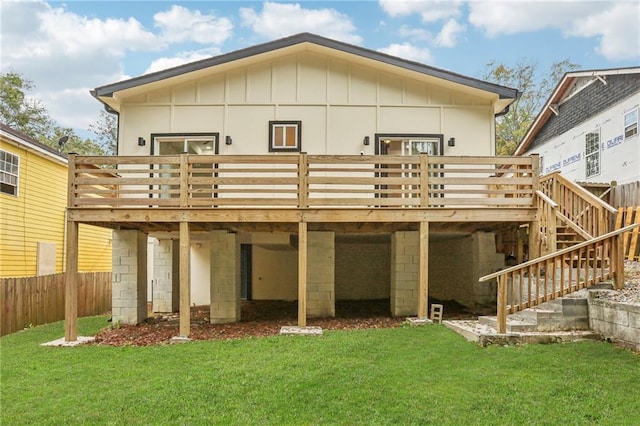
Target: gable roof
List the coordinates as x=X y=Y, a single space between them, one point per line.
x=22 y=140
x=307 y=40
x=569 y=82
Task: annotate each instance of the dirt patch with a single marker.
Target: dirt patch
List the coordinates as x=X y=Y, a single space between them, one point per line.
x=260 y=318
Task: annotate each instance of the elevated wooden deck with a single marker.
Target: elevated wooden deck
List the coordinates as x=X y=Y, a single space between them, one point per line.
x=297 y=194
x=156 y=193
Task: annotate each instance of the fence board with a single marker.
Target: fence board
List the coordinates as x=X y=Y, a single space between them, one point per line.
x=631 y=241
x=31 y=301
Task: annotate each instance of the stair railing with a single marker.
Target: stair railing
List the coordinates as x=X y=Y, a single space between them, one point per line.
x=560 y=273
x=578 y=209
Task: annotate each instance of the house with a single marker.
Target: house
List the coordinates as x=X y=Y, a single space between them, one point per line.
x=33 y=201
x=588 y=128
x=302 y=169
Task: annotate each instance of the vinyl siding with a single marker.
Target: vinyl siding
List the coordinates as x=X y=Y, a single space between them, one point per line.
x=37 y=215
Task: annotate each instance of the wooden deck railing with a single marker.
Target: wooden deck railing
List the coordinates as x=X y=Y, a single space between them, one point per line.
x=300 y=181
x=560 y=273
x=580 y=210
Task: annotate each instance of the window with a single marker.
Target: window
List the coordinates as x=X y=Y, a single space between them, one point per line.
x=592 y=153
x=631 y=123
x=285 y=135
x=9 y=171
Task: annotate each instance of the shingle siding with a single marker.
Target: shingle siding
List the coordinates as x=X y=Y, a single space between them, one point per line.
x=587 y=103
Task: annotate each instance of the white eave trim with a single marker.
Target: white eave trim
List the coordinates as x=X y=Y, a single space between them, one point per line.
x=21 y=143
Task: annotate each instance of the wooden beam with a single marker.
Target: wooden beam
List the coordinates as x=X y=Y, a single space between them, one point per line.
x=317 y=215
x=185 y=282
x=71 y=286
x=302 y=274
x=423 y=271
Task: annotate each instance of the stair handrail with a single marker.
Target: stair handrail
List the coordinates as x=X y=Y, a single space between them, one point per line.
x=615 y=271
x=585 y=194
x=605 y=214
x=540 y=259
x=547 y=222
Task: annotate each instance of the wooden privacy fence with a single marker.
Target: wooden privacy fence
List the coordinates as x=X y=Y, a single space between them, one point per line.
x=300 y=181
x=631 y=241
x=31 y=301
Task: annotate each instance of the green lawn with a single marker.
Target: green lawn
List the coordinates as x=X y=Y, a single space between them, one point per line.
x=409 y=375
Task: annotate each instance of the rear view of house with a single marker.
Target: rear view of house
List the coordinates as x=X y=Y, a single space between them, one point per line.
x=303 y=169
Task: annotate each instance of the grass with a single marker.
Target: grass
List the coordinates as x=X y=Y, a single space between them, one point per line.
x=411 y=375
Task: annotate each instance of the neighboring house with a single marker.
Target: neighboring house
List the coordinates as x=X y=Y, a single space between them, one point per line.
x=33 y=200
x=229 y=217
x=588 y=128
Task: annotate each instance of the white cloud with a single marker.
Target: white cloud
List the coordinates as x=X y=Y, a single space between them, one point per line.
x=278 y=20
x=180 y=24
x=408 y=51
x=448 y=36
x=618 y=29
x=181 y=59
x=429 y=10
x=415 y=34
x=616 y=23
x=66 y=54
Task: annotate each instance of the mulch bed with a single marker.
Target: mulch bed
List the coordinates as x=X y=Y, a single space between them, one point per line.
x=259 y=318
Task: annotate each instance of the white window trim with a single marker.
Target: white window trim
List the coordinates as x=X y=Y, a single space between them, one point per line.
x=595 y=153
x=17 y=175
x=625 y=126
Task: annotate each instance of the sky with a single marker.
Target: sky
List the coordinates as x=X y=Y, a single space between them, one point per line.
x=69 y=48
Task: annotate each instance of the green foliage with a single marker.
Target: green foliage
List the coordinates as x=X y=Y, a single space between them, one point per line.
x=18 y=111
x=409 y=375
x=535 y=88
x=28 y=116
x=106 y=131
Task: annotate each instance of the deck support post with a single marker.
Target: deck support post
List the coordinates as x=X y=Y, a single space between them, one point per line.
x=423 y=271
x=302 y=274
x=502 y=304
x=185 y=280
x=618 y=262
x=71 y=286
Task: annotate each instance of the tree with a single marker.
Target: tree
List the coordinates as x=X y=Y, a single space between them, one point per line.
x=31 y=118
x=512 y=126
x=106 y=131
x=19 y=112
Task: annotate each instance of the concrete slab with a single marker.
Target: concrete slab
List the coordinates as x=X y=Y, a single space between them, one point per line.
x=63 y=343
x=485 y=335
x=418 y=321
x=291 y=330
x=179 y=339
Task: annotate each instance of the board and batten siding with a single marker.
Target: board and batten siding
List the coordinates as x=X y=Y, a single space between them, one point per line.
x=339 y=103
x=37 y=214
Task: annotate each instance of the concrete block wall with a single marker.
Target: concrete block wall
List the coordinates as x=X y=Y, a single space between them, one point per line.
x=486 y=261
x=321 y=295
x=362 y=267
x=450 y=270
x=404 y=273
x=225 y=277
x=614 y=320
x=166 y=283
x=129 y=277
x=455 y=264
